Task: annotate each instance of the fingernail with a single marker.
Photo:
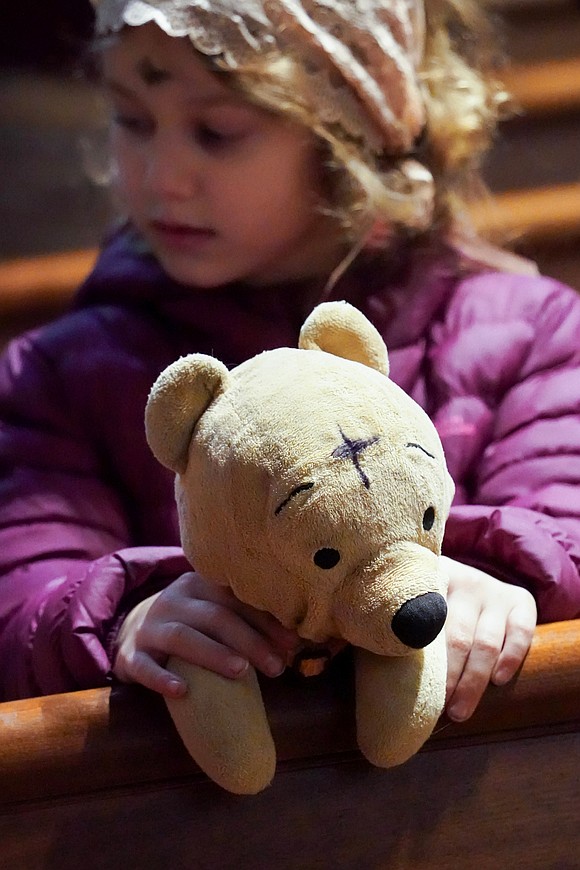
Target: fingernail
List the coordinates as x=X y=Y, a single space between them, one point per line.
x=274 y=666
x=177 y=687
x=237 y=665
x=459 y=713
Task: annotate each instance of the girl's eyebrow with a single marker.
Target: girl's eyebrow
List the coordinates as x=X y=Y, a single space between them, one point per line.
x=222 y=99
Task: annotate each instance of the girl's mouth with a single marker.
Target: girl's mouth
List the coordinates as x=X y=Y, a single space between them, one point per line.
x=181 y=236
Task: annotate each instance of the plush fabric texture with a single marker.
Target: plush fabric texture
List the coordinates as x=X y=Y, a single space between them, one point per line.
x=88 y=523
x=297 y=451
x=316 y=489
x=224 y=726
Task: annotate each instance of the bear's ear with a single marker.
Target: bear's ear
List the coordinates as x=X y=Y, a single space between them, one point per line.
x=341 y=329
x=177 y=400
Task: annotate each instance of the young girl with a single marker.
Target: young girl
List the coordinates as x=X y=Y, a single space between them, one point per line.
x=268 y=155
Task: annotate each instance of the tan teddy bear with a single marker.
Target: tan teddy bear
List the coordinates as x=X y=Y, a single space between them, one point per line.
x=317 y=490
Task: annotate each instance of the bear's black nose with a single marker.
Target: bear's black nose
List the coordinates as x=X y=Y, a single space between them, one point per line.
x=418 y=621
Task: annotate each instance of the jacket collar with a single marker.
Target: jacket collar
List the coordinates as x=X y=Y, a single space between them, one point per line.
x=400 y=294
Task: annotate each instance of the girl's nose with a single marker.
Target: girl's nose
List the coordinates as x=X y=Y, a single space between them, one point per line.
x=173 y=168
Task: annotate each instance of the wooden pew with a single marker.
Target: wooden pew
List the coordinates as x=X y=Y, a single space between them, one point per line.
x=45 y=281
x=547 y=88
x=99 y=779
x=34 y=290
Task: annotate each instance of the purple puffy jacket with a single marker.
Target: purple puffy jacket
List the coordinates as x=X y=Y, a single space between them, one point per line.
x=88 y=525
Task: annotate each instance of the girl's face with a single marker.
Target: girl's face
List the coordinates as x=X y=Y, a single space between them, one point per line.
x=220 y=189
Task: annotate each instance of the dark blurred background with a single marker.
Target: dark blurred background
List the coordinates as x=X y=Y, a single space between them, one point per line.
x=44 y=34
x=49 y=112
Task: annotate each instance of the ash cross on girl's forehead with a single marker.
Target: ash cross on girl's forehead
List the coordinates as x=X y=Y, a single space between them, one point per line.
x=351 y=450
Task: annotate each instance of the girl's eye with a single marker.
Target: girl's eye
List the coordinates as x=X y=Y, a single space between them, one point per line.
x=133 y=124
x=214 y=140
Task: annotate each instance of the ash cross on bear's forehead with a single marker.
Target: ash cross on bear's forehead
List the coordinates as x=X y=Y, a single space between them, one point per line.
x=351 y=450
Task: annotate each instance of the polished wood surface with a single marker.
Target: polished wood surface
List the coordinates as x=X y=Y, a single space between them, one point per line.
x=545 y=88
x=100 y=778
x=538 y=216
x=48 y=280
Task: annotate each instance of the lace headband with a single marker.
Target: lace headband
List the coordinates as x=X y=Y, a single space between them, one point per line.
x=360 y=56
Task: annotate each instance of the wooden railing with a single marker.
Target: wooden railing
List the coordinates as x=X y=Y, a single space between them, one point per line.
x=46 y=281
x=545 y=88
x=99 y=779
x=536 y=217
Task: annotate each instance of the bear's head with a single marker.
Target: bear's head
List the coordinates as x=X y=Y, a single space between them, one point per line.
x=311 y=484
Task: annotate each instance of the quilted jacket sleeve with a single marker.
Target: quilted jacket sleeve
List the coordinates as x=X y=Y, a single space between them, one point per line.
x=67 y=567
x=507 y=360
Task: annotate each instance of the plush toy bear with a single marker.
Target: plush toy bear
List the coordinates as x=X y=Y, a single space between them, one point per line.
x=317 y=490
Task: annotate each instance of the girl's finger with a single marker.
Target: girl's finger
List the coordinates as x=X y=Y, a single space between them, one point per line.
x=284 y=639
x=488 y=640
x=219 y=639
x=519 y=634
x=207 y=653
x=459 y=631
x=146 y=671
x=264 y=622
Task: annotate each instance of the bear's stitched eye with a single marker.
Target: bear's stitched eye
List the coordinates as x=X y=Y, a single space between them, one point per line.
x=326 y=557
x=428 y=518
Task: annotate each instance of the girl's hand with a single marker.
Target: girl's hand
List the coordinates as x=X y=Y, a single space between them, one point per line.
x=203 y=624
x=490 y=625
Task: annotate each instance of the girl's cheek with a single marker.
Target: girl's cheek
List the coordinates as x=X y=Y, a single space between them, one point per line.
x=129 y=170
x=126 y=189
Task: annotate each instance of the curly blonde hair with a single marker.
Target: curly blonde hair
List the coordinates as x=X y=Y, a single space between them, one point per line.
x=463 y=101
